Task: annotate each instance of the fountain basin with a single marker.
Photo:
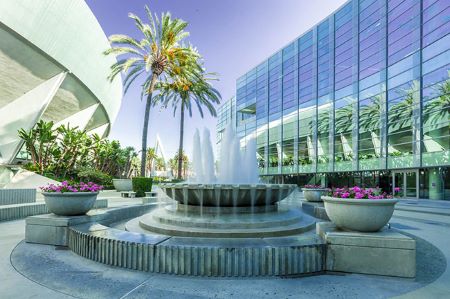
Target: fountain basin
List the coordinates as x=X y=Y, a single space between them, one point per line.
x=228 y=195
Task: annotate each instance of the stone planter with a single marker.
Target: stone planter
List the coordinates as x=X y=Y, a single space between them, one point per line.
x=123 y=185
x=363 y=215
x=70 y=203
x=313 y=194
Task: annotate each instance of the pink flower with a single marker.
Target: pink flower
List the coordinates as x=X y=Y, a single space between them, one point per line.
x=345 y=195
x=359 y=195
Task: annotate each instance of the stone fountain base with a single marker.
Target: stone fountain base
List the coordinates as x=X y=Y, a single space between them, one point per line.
x=327 y=250
x=223 y=222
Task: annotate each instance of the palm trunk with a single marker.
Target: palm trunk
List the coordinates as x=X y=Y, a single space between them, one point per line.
x=180 y=149
x=146 y=120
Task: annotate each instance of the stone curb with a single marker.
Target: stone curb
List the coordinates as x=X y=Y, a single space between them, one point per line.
x=13 y=212
x=198 y=260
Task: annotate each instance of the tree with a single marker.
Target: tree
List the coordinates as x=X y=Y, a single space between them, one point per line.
x=160 y=164
x=159 y=53
x=437 y=110
x=370 y=114
x=151 y=156
x=186 y=91
x=184 y=166
x=40 y=143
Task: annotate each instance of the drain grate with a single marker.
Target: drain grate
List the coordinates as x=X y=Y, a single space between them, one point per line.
x=300 y=275
x=58 y=247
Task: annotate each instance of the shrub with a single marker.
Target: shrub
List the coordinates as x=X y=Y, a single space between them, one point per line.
x=176 y=181
x=95 y=176
x=142 y=185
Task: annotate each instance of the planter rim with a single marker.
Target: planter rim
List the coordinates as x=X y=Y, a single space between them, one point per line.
x=121 y=179
x=223 y=186
x=69 y=193
x=314 y=189
x=354 y=201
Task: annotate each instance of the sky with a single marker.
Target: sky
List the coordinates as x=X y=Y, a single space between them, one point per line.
x=233 y=36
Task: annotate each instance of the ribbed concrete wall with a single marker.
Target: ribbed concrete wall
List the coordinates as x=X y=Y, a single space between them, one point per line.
x=199 y=261
x=17 y=196
x=12 y=212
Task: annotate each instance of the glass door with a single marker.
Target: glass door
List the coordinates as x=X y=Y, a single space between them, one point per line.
x=398 y=182
x=411 y=184
x=408 y=182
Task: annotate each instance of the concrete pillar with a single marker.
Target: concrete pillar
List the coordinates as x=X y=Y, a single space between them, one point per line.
x=435 y=184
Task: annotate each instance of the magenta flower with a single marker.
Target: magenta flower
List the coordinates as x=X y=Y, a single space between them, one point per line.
x=66 y=187
x=357 y=192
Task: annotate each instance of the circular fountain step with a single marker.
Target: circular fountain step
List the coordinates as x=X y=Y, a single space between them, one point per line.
x=225 y=221
x=247 y=229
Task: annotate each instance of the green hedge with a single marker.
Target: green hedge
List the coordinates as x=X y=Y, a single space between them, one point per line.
x=142 y=185
x=95 y=176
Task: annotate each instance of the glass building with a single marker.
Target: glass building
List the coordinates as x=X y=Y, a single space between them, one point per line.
x=362 y=98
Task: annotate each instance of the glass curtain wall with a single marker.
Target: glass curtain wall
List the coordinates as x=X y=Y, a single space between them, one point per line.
x=307 y=104
x=262 y=116
x=241 y=95
x=275 y=104
x=246 y=107
x=290 y=108
x=325 y=109
x=346 y=106
x=364 y=94
x=372 y=86
x=403 y=84
x=436 y=83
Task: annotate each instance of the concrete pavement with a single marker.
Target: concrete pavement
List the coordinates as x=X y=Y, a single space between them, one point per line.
x=41 y=271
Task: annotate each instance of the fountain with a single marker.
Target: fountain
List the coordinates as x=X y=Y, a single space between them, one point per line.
x=225 y=225
x=233 y=204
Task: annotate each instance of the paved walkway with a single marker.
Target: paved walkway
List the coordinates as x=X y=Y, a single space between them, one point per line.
x=52 y=272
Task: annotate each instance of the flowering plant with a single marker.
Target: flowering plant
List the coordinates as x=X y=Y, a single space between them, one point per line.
x=66 y=187
x=360 y=193
x=313 y=187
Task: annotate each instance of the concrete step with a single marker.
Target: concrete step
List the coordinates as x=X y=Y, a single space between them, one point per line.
x=17 y=196
x=423 y=209
x=19 y=211
x=306 y=223
x=270 y=219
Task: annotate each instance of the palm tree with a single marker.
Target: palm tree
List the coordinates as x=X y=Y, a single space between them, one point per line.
x=401 y=114
x=151 y=156
x=343 y=119
x=158 y=54
x=185 y=92
x=437 y=110
x=370 y=115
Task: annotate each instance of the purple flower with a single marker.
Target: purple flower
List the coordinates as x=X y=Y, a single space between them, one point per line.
x=66 y=187
x=345 y=194
x=357 y=192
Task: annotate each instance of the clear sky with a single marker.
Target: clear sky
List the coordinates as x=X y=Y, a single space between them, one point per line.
x=232 y=35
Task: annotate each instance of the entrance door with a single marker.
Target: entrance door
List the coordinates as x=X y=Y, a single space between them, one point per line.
x=408 y=182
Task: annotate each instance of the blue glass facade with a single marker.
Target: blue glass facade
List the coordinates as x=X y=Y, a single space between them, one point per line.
x=361 y=98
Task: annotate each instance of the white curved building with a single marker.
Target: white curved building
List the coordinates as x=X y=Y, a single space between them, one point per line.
x=52 y=68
